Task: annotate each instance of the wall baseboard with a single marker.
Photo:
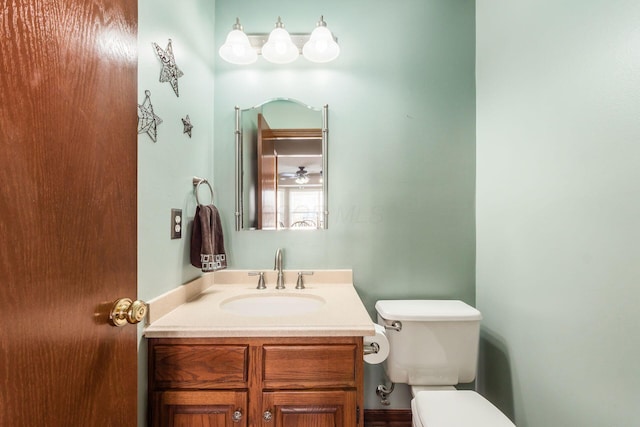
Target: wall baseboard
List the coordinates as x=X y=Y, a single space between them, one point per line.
x=387 y=418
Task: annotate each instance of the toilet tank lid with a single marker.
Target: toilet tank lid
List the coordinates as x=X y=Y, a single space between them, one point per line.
x=417 y=310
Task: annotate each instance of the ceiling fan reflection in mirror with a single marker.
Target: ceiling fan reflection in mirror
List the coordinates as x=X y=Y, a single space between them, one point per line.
x=301 y=177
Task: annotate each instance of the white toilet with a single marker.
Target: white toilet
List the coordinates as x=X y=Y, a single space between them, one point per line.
x=435 y=348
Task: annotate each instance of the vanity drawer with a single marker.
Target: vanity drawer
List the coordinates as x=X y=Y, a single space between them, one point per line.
x=199 y=366
x=306 y=366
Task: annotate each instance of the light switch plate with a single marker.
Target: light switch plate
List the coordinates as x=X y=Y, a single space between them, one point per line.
x=176 y=223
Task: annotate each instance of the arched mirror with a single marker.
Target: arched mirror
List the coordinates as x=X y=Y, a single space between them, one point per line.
x=281 y=166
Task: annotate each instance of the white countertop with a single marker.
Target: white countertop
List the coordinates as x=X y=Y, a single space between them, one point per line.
x=195 y=310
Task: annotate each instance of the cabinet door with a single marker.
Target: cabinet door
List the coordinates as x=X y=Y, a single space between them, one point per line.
x=309 y=408
x=201 y=409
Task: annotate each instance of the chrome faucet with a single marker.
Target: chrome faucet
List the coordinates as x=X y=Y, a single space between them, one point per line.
x=278 y=267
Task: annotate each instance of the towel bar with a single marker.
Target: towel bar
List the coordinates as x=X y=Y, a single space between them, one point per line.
x=196 y=184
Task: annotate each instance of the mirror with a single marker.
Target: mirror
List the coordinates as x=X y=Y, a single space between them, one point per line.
x=281 y=166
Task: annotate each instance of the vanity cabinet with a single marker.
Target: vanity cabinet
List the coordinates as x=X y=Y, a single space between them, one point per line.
x=256 y=382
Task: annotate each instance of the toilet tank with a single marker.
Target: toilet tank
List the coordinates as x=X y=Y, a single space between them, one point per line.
x=438 y=342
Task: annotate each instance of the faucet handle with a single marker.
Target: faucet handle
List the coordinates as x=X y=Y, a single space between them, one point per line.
x=300 y=283
x=261 y=284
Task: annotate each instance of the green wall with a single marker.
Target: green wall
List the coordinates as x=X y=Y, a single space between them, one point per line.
x=166 y=168
x=401 y=155
x=401 y=145
x=558 y=209
x=557 y=175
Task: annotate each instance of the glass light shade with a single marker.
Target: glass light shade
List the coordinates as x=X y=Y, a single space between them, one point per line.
x=321 y=46
x=279 y=49
x=302 y=179
x=237 y=49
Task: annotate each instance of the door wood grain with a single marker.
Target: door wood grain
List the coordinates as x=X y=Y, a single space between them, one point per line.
x=67 y=211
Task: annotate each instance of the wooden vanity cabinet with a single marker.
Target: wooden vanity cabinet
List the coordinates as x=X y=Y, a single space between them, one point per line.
x=197 y=383
x=256 y=382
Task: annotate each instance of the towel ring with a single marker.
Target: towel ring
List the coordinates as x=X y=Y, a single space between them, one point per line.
x=196 y=183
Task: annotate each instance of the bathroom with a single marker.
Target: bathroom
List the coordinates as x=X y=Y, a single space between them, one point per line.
x=451 y=176
x=483 y=151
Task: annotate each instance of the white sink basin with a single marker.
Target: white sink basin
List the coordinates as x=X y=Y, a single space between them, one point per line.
x=272 y=304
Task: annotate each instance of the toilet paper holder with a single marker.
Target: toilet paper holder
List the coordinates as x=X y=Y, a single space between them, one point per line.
x=376 y=347
x=372 y=348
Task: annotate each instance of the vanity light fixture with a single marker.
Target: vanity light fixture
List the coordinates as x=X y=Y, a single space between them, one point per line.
x=280 y=47
x=237 y=49
x=321 y=46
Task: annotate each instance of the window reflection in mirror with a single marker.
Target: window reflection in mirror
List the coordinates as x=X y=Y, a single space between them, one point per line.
x=281 y=166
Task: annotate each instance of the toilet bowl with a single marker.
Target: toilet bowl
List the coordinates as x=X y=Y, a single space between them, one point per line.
x=433 y=347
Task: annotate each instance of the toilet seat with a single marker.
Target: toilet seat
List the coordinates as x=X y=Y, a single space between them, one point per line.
x=455 y=408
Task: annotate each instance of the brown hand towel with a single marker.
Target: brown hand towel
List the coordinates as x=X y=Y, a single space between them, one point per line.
x=207 y=240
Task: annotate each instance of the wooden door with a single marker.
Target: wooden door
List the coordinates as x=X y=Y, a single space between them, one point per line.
x=68 y=155
x=335 y=408
x=267 y=179
x=201 y=409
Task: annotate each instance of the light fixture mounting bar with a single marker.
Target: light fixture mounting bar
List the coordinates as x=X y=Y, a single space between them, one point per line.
x=257 y=40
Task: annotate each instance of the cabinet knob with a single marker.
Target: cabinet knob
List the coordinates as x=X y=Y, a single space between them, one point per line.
x=267 y=416
x=237 y=416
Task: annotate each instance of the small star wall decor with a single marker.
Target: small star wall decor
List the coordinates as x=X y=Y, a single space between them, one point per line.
x=147 y=120
x=170 y=71
x=186 y=122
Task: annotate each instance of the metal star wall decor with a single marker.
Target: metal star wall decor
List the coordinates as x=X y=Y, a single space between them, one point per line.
x=147 y=120
x=170 y=71
x=186 y=122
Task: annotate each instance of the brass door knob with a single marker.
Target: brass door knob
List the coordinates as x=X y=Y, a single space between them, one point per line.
x=126 y=311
